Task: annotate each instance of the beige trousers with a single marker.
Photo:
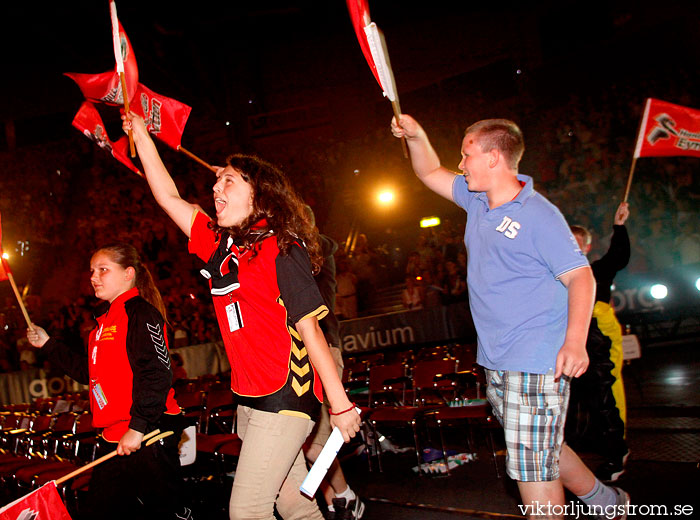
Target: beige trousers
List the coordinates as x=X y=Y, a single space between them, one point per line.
x=271 y=467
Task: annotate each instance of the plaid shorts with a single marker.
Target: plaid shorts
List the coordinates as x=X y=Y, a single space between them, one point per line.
x=532 y=410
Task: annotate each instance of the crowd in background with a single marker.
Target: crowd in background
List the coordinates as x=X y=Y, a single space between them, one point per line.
x=579 y=154
x=578 y=151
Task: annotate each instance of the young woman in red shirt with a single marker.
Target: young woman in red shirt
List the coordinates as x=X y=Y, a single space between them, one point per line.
x=127 y=366
x=261 y=251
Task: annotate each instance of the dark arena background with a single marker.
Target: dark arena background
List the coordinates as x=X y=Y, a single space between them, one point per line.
x=287 y=81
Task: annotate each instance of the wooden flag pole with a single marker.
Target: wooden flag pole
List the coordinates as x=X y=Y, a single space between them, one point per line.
x=196 y=159
x=629 y=179
x=19 y=298
x=152 y=437
x=125 y=95
x=397 y=115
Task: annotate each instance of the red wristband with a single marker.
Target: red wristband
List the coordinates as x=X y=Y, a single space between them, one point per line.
x=330 y=412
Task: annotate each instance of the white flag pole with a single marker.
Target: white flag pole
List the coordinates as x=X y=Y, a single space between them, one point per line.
x=116 y=42
x=640 y=130
x=637 y=148
x=380 y=56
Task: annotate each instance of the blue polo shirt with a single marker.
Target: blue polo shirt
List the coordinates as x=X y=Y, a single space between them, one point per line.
x=517 y=252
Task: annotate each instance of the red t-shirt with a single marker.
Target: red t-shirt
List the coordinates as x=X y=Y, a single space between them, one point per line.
x=270 y=368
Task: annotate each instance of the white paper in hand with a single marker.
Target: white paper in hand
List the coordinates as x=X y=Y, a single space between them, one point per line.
x=188 y=446
x=323 y=462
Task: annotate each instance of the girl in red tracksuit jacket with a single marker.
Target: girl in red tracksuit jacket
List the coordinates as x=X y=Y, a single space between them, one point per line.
x=128 y=370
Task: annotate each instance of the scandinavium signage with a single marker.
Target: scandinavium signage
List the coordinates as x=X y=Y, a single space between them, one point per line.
x=407 y=328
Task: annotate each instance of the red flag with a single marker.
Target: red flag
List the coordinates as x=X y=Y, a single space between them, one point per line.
x=359 y=13
x=374 y=48
x=89 y=122
x=668 y=130
x=42 y=504
x=4 y=266
x=106 y=87
x=164 y=117
x=4 y=270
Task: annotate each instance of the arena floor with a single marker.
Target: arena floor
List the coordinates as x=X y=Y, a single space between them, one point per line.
x=662 y=471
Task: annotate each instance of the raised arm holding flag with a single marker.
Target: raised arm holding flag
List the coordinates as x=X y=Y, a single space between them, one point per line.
x=166 y=117
x=261 y=237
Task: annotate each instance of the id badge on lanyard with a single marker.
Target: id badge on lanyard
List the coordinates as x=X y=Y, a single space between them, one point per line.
x=98 y=394
x=233 y=315
x=95 y=386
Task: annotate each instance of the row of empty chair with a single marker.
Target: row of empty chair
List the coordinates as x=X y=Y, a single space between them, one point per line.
x=427 y=390
x=51 y=437
x=36 y=448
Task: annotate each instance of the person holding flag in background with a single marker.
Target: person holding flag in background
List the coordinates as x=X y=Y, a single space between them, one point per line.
x=531 y=295
x=128 y=368
x=600 y=392
x=260 y=252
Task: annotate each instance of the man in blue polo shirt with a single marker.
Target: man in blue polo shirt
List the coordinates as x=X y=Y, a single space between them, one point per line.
x=531 y=295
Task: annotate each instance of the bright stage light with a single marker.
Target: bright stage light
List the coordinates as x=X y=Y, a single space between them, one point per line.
x=6 y=256
x=385 y=197
x=697 y=284
x=658 y=291
x=430 y=222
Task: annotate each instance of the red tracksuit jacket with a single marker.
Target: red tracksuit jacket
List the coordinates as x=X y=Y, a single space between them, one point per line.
x=127 y=367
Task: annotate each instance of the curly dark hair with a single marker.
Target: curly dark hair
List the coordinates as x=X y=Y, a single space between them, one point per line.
x=275 y=201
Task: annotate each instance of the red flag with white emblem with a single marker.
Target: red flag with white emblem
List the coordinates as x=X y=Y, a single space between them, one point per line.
x=668 y=130
x=164 y=117
x=89 y=122
x=106 y=86
x=359 y=14
x=41 y=504
x=373 y=47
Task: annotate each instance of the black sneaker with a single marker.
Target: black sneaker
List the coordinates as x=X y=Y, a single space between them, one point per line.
x=341 y=512
x=328 y=514
x=348 y=511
